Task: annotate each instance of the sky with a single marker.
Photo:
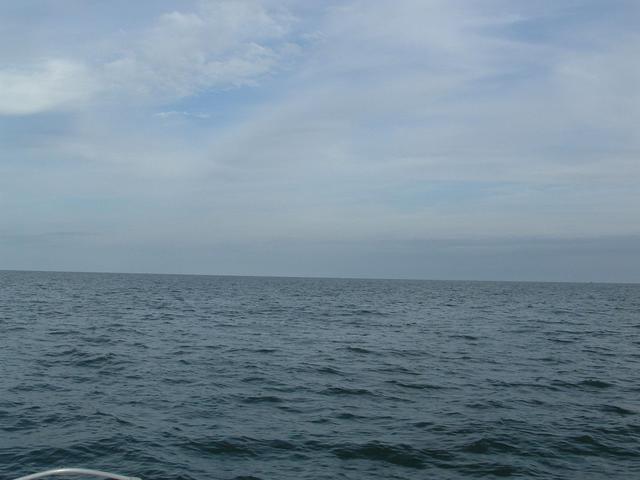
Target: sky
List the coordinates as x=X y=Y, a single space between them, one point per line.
x=438 y=139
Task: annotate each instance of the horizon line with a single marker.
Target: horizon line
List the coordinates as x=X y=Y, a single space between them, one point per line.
x=322 y=277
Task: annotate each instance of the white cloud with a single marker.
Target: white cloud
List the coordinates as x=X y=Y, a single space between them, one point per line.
x=601 y=88
x=178 y=114
x=51 y=85
x=222 y=44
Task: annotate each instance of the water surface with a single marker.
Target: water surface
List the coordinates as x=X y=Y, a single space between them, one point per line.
x=198 y=377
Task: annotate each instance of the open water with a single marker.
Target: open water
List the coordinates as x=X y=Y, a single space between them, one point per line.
x=203 y=377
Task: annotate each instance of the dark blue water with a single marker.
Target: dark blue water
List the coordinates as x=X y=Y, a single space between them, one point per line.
x=193 y=377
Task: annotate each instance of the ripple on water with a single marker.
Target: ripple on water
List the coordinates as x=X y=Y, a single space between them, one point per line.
x=489 y=445
x=241 y=446
x=263 y=399
x=362 y=350
x=595 y=383
x=347 y=391
x=415 y=386
x=397 y=454
x=617 y=410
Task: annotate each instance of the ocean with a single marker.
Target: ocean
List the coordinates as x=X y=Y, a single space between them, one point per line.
x=209 y=377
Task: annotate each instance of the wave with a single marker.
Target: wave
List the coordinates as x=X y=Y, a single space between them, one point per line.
x=330 y=370
x=489 y=445
x=617 y=410
x=262 y=399
x=243 y=446
x=594 y=383
x=415 y=386
x=359 y=350
x=397 y=454
x=346 y=391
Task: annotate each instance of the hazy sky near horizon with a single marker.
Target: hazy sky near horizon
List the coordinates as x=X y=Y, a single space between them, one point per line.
x=493 y=139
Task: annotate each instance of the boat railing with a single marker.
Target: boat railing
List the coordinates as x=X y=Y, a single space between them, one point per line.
x=77 y=471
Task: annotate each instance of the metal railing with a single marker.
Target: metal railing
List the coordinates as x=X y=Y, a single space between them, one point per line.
x=77 y=471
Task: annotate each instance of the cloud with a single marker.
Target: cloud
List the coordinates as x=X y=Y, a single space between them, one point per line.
x=221 y=44
x=447 y=91
x=174 y=113
x=50 y=85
